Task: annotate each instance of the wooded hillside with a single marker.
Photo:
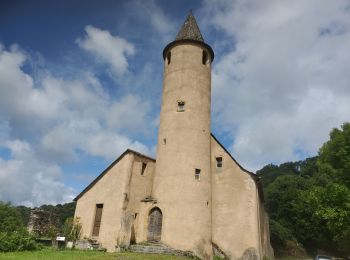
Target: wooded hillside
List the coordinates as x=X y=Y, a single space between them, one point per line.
x=309 y=201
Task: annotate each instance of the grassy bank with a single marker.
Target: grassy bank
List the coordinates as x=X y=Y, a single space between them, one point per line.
x=49 y=254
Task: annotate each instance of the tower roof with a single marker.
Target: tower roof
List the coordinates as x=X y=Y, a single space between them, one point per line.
x=189 y=33
x=189 y=30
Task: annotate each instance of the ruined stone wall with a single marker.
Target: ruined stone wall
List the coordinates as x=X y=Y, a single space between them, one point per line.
x=41 y=222
x=235 y=214
x=111 y=191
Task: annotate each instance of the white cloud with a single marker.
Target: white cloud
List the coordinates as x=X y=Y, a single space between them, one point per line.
x=285 y=85
x=47 y=121
x=107 y=48
x=26 y=180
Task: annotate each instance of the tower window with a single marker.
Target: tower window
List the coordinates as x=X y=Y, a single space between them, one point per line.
x=164 y=140
x=180 y=106
x=204 y=57
x=143 y=168
x=197 y=174
x=168 y=57
x=218 y=162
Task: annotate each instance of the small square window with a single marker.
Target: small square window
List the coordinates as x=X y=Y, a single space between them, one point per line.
x=180 y=106
x=197 y=174
x=144 y=165
x=218 y=162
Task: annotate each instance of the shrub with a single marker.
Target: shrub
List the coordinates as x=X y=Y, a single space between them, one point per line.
x=18 y=240
x=13 y=235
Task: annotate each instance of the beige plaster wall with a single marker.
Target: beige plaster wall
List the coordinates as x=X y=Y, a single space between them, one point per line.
x=121 y=190
x=140 y=186
x=184 y=201
x=266 y=248
x=235 y=213
x=110 y=191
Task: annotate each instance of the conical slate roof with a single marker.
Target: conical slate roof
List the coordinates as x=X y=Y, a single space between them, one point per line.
x=189 y=33
x=190 y=30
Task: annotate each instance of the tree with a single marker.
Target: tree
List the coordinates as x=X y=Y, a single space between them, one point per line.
x=24 y=213
x=330 y=214
x=334 y=155
x=9 y=218
x=13 y=235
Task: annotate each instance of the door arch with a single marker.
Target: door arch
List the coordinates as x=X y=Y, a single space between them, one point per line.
x=155 y=221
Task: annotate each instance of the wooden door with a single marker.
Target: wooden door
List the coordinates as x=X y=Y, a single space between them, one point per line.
x=155 y=225
x=97 y=223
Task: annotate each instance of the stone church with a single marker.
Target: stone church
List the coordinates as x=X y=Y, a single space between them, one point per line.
x=194 y=197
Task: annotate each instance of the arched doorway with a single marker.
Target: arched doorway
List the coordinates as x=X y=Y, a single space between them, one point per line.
x=155 y=220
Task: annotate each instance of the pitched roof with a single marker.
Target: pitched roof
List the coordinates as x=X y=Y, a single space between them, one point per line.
x=108 y=168
x=190 y=30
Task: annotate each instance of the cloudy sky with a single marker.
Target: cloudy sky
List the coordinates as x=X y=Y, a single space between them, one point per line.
x=80 y=82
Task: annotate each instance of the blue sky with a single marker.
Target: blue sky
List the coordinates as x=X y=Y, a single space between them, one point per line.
x=80 y=81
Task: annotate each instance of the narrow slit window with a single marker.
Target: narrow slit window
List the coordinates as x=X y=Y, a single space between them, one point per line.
x=219 y=162
x=97 y=222
x=168 y=57
x=204 y=57
x=197 y=174
x=164 y=140
x=180 y=106
x=144 y=165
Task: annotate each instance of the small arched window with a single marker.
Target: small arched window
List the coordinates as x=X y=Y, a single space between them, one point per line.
x=168 y=57
x=204 y=57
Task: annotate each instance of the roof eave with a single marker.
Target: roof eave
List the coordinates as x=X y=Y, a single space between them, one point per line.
x=108 y=168
x=255 y=177
x=184 y=41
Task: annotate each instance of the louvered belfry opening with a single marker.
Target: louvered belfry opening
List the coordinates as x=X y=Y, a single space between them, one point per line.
x=97 y=222
x=155 y=225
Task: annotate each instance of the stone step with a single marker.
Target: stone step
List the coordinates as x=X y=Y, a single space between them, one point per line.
x=156 y=249
x=159 y=248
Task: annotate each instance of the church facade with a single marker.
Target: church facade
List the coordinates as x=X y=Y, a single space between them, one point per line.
x=195 y=196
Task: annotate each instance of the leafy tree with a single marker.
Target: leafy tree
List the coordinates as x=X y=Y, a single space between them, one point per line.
x=24 y=213
x=279 y=235
x=282 y=196
x=308 y=201
x=330 y=208
x=9 y=218
x=13 y=235
x=270 y=172
x=334 y=155
x=308 y=167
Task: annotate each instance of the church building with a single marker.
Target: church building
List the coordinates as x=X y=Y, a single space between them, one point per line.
x=194 y=197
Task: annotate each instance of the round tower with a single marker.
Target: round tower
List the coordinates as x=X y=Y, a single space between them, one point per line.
x=182 y=182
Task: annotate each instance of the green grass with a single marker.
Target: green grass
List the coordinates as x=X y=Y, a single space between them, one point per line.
x=50 y=254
